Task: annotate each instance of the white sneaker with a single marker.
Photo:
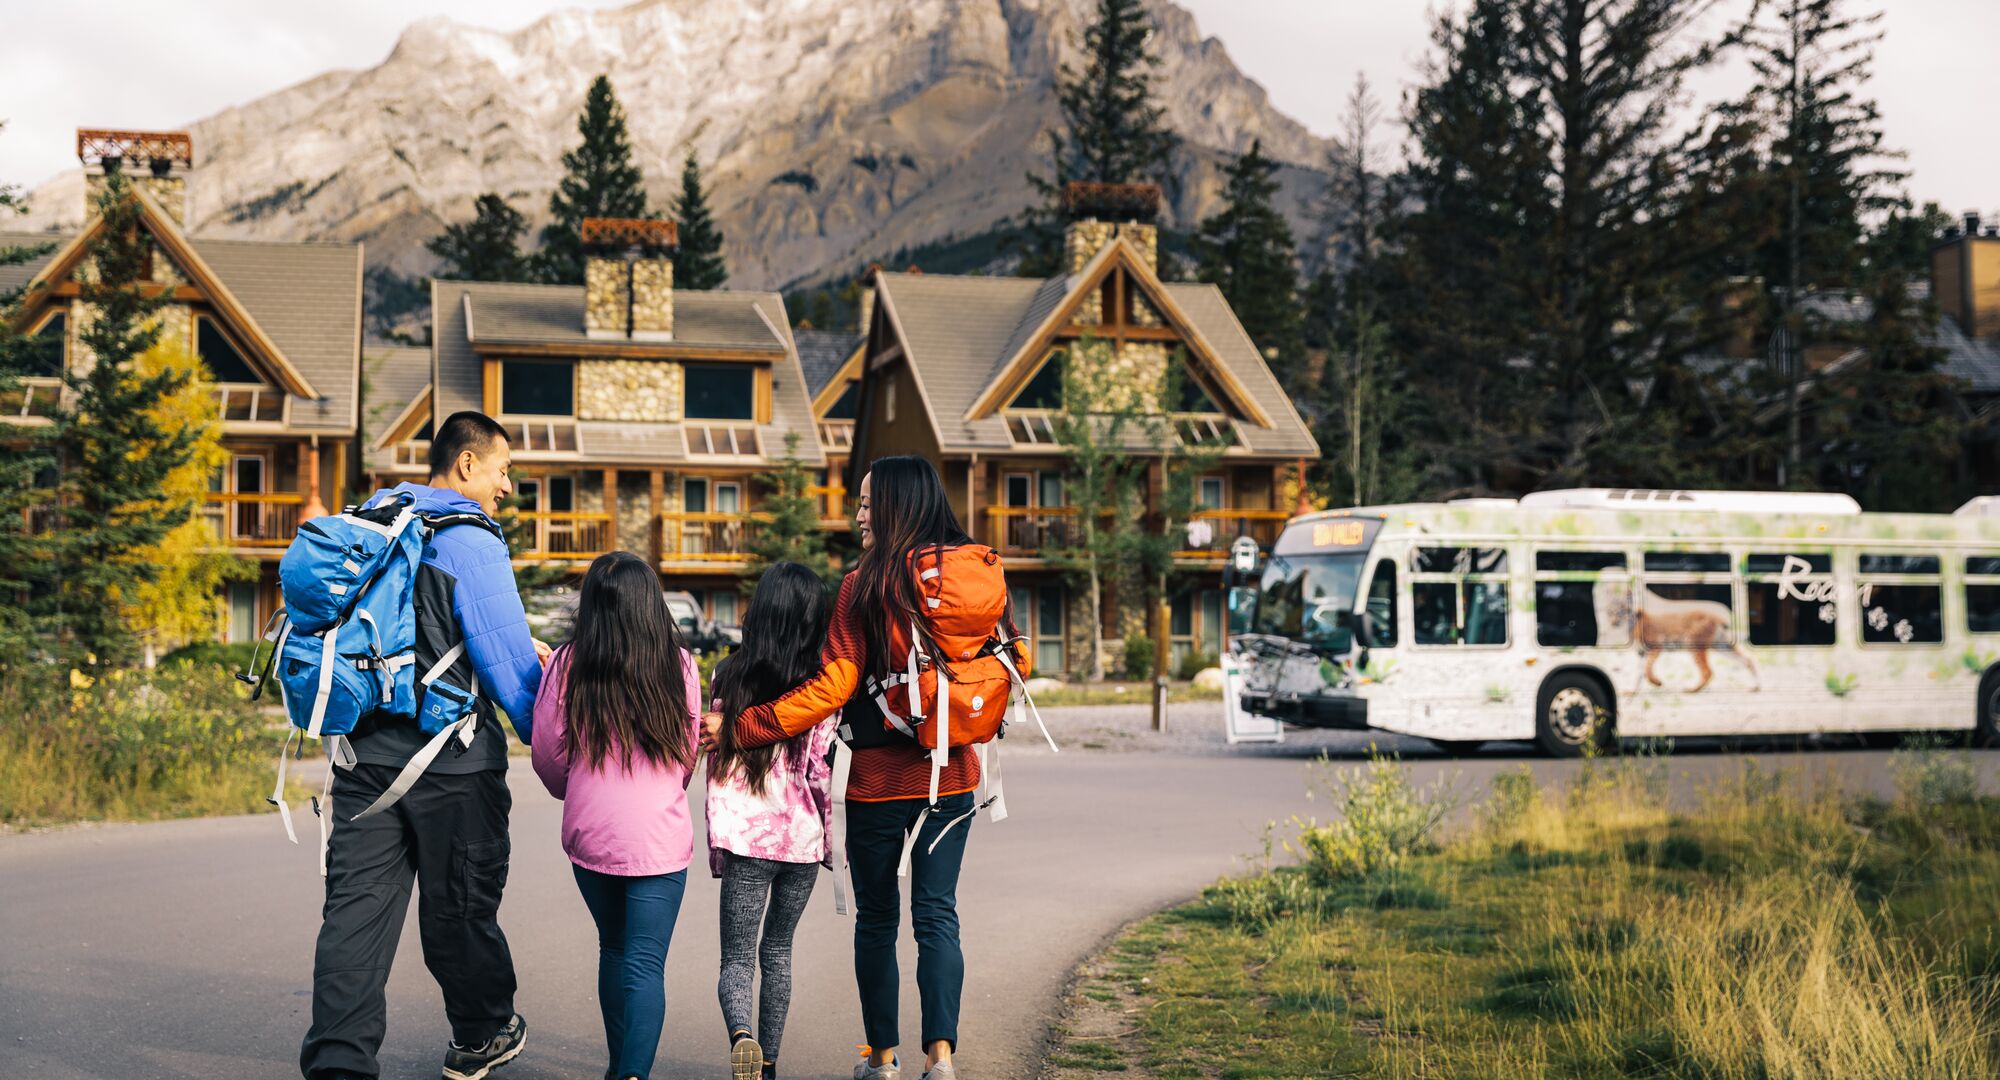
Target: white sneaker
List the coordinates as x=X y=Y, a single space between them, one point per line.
x=941 y=1071
x=891 y=1071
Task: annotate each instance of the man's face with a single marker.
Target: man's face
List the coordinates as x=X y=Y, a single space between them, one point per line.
x=483 y=478
x=861 y=516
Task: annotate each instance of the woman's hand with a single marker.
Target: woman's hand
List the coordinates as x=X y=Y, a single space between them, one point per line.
x=711 y=731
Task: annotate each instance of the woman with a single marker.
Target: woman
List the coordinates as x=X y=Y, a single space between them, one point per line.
x=618 y=748
x=767 y=812
x=902 y=508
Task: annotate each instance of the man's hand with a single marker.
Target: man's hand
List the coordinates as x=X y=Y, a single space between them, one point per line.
x=711 y=731
x=542 y=651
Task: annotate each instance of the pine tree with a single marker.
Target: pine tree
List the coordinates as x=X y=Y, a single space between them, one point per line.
x=24 y=457
x=1113 y=129
x=600 y=181
x=1246 y=250
x=487 y=248
x=1887 y=430
x=116 y=449
x=698 y=261
x=788 y=527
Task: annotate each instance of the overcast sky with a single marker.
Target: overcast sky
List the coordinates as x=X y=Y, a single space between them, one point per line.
x=144 y=64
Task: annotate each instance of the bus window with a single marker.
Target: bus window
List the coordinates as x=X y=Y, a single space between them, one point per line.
x=1900 y=611
x=1791 y=598
x=1458 y=560
x=1573 y=611
x=1899 y=564
x=1382 y=602
x=1695 y=562
x=1982 y=599
x=1584 y=561
x=1310 y=598
x=1434 y=607
x=1464 y=611
x=1485 y=613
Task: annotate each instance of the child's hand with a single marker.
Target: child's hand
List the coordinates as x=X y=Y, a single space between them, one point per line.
x=711 y=731
x=542 y=651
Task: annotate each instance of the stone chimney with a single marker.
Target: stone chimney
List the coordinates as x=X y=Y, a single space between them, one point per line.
x=1965 y=277
x=156 y=161
x=628 y=278
x=1100 y=213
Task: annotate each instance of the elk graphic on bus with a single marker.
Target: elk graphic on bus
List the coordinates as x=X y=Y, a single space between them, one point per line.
x=1658 y=623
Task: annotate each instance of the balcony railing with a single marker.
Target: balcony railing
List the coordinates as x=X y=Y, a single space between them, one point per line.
x=31 y=398
x=833 y=508
x=1223 y=526
x=707 y=537
x=562 y=536
x=412 y=453
x=1034 y=530
x=836 y=435
x=253 y=519
x=246 y=402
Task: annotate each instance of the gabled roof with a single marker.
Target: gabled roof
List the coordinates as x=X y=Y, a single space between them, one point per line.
x=399 y=381
x=822 y=353
x=961 y=333
x=297 y=307
x=504 y=315
x=1029 y=347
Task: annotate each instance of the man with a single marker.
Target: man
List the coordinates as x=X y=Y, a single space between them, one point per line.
x=449 y=832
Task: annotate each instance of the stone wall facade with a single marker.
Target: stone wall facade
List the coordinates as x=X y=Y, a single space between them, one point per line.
x=604 y=297
x=633 y=390
x=1130 y=377
x=169 y=191
x=653 y=298
x=1086 y=237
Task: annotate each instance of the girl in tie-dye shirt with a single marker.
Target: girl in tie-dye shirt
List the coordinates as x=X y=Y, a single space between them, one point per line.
x=767 y=811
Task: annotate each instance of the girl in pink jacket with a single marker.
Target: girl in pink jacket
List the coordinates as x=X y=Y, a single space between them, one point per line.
x=616 y=741
x=767 y=812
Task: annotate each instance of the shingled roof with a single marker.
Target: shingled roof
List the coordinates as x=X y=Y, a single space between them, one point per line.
x=305 y=297
x=960 y=332
x=821 y=354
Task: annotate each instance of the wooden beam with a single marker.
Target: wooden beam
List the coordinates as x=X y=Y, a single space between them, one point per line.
x=489 y=396
x=659 y=501
x=632 y=350
x=1130 y=333
x=611 y=507
x=179 y=294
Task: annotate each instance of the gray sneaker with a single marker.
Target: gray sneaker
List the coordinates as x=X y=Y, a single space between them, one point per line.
x=941 y=1071
x=475 y=1062
x=891 y=1071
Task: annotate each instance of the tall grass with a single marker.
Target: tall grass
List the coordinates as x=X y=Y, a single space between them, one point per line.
x=1772 y=931
x=174 y=742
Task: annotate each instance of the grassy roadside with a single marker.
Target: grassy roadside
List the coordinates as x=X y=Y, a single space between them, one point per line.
x=1133 y=693
x=1585 y=931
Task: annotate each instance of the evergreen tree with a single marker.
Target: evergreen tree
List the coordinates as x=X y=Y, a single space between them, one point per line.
x=1887 y=429
x=1246 y=250
x=1824 y=168
x=599 y=181
x=788 y=529
x=1113 y=130
x=24 y=457
x=487 y=248
x=1902 y=243
x=698 y=260
x=117 y=451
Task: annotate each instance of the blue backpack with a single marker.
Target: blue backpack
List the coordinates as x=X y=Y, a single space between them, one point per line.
x=344 y=645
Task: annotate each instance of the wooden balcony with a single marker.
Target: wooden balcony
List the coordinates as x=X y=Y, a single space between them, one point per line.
x=260 y=520
x=561 y=536
x=1223 y=526
x=32 y=398
x=706 y=537
x=413 y=453
x=836 y=436
x=249 y=403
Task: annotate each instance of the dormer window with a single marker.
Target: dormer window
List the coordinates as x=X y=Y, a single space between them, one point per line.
x=1045 y=389
x=720 y=392
x=224 y=360
x=47 y=355
x=537 y=388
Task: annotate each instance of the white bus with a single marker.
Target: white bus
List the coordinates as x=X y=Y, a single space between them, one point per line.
x=1575 y=617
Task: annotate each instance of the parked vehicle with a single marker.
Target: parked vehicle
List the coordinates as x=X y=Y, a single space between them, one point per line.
x=704 y=635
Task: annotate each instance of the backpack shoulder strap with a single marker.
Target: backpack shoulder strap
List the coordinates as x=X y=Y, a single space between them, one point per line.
x=440 y=522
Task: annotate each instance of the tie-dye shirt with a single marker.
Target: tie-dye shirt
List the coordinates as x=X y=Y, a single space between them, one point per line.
x=788 y=822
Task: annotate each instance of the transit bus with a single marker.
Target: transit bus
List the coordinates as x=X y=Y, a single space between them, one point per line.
x=1575 y=617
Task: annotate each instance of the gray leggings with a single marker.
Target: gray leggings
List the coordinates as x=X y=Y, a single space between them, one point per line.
x=746 y=885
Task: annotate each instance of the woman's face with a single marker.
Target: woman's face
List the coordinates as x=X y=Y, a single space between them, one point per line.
x=861 y=516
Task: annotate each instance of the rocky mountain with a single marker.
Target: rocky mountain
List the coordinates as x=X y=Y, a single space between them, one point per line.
x=833 y=131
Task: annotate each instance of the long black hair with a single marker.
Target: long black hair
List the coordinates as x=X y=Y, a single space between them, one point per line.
x=908 y=512
x=626 y=688
x=782 y=634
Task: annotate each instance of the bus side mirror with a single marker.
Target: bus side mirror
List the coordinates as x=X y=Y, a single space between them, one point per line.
x=1367 y=632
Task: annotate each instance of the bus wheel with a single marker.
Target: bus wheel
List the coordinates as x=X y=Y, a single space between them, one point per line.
x=1987 y=731
x=1455 y=747
x=1573 y=716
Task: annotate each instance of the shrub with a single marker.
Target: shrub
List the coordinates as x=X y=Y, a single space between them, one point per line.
x=1926 y=775
x=229 y=657
x=1138 y=656
x=1383 y=821
x=707 y=662
x=1194 y=663
x=173 y=742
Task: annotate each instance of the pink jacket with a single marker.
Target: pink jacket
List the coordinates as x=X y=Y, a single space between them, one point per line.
x=626 y=823
x=788 y=822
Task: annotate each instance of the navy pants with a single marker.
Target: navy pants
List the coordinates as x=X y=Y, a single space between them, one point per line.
x=635 y=924
x=875 y=834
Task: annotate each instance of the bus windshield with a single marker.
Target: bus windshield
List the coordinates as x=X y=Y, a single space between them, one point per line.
x=1309 y=598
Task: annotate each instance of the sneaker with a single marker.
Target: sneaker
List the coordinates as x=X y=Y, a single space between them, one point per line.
x=473 y=1063
x=746 y=1059
x=941 y=1071
x=865 y=1071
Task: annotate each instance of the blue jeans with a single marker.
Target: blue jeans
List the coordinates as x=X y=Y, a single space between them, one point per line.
x=875 y=832
x=635 y=923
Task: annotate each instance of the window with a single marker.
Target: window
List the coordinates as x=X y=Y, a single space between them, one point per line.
x=1382 y=603
x=1470 y=609
x=1790 y=598
x=242 y=612
x=1900 y=611
x=1194 y=396
x=846 y=406
x=1690 y=562
x=1044 y=389
x=45 y=357
x=1038 y=613
x=724 y=603
x=1982 y=599
x=1579 y=561
x=537 y=388
x=225 y=363
x=1019 y=489
x=720 y=391
x=728 y=498
x=1576 y=594
x=694 y=495
x=721 y=440
x=1213 y=494
x=889 y=401
x=1051 y=484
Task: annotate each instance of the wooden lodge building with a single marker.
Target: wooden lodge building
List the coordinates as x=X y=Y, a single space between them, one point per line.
x=277 y=324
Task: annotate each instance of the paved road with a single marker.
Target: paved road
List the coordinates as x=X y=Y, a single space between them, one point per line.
x=183 y=949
